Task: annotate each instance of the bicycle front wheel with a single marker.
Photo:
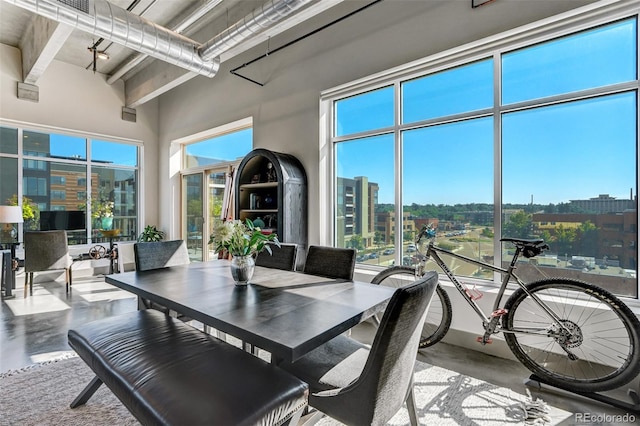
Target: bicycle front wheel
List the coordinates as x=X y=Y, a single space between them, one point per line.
x=591 y=348
x=439 y=314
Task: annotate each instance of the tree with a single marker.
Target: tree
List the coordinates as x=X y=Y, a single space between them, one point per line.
x=546 y=236
x=565 y=238
x=30 y=212
x=378 y=238
x=408 y=235
x=586 y=243
x=518 y=226
x=356 y=242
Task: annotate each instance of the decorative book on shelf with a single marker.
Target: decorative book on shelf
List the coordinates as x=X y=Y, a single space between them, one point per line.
x=271 y=188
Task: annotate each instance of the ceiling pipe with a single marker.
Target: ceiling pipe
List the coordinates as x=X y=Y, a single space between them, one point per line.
x=186 y=23
x=258 y=20
x=126 y=28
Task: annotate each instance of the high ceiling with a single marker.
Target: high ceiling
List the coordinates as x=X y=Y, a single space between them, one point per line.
x=42 y=39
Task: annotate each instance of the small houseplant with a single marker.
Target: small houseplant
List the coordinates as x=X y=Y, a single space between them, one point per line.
x=242 y=240
x=150 y=234
x=103 y=211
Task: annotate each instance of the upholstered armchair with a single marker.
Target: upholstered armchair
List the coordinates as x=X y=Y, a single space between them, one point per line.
x=46 y=251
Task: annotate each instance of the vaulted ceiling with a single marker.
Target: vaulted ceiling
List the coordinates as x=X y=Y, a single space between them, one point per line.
x=153 y=45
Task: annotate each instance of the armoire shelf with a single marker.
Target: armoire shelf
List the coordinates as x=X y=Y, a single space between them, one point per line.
x=278 y=196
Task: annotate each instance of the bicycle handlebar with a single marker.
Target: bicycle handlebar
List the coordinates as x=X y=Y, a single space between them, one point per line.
x=428 y=231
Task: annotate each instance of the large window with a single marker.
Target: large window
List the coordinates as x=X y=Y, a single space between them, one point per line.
x=538 y=141
x=219 y=148
x=57 y=176
x=208 y=162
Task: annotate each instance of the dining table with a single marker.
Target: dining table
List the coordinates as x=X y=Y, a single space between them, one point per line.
x=286 y=313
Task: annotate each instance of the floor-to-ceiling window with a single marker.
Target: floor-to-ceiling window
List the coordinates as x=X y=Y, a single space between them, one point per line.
x=209 y=160
x=531 y=138
x=71 y=182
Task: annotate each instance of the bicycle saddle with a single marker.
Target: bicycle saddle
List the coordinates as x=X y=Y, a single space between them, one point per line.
x=530 y=247
x=524 y=241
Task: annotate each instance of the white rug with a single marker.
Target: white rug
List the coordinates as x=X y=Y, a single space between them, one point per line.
x=41 y=394
x=444 y=397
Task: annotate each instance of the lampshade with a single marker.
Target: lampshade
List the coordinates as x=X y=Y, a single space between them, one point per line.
x=10 y=214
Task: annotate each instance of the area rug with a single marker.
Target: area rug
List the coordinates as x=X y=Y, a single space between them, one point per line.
x=40 y=395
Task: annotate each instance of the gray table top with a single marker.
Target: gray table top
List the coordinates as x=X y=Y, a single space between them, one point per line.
x=286 y=313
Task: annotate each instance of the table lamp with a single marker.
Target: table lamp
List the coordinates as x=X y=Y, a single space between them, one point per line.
x=8 y=216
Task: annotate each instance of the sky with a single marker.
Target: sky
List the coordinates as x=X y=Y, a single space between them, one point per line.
x=553 y=153
x=104 y=151
x=226 y=147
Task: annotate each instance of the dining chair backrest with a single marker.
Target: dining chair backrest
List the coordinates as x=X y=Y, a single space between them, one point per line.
x=46 y=250
x=283 y=257
x=331 y=262
x=160 y=254
x=387 y=378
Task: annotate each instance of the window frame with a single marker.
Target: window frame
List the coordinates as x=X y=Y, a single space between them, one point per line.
x=87 y=163
x=178 y=148
x=584 y=18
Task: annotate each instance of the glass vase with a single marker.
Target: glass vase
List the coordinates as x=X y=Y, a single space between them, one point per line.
x=242 y=268
x=106 y=223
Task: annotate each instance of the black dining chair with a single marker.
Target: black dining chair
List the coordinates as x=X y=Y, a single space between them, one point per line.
x=343 y=373
x=157 y=255
x=283 y=257
x=330 y=262
x=160 y=254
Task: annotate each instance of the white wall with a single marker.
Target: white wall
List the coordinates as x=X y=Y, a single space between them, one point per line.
x=286 y=110
x=74 y=99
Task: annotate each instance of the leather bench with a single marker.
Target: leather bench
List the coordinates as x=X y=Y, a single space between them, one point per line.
x=167 y=372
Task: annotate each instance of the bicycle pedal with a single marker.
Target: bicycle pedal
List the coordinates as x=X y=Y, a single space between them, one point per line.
x=484 y=341
x=499 y=313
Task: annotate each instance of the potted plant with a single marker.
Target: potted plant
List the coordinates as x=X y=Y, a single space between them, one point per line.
x=150 y=234
x=242 y=240
x=103 y=210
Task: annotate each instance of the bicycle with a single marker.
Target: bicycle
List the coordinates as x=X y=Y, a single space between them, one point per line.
x=570 y=333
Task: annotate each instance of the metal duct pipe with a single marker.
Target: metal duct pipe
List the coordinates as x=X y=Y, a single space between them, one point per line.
x=260 y=19
x=188 y=21
x=126 y=28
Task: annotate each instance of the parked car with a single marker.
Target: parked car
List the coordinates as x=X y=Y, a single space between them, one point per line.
x=389 y=251
x=373 y=255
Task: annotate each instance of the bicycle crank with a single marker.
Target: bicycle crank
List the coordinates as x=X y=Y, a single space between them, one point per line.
x=490 y=327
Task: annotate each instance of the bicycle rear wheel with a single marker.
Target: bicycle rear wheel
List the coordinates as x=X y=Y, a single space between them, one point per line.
x=439 y=315
x=595 y=327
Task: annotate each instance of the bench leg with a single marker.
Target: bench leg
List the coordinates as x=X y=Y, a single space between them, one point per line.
x=87 y=392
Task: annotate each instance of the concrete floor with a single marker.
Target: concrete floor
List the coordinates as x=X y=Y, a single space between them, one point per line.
x=33 y=329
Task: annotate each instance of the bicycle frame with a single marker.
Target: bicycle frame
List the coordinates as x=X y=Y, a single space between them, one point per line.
x=489 y=322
